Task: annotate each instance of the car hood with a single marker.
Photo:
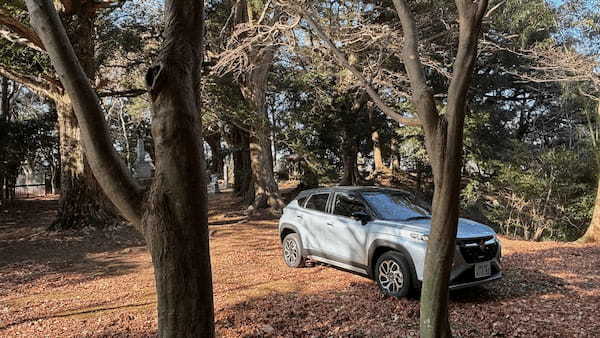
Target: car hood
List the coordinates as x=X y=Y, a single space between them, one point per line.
x=466 y=227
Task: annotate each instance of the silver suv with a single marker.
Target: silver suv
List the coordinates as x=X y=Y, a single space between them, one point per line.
x=381 y=233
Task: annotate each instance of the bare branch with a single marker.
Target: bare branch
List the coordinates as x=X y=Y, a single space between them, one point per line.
x=19 y=33
x=470 y=15
x=493 y=9
x=40 y=85
x=421 y=92
x=124 y=93
x=343 y=61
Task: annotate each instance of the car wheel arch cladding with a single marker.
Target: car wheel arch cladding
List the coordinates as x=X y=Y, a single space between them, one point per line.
x=287 y=229
x=390 y=246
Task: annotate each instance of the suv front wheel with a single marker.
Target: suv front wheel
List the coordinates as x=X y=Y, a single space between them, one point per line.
x=292 y=251
x=393 y=274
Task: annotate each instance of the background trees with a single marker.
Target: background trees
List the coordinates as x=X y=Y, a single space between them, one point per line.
x=321 y=92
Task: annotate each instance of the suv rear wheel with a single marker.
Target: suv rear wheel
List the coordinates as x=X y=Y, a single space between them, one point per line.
x=392 y=274
x=292 y=251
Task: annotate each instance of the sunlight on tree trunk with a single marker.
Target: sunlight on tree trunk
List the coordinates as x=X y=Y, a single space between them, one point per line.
x=173 y=214
x=444 y=144
x=592 y=235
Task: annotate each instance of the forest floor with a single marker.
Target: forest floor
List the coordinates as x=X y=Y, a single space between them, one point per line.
x=100 y=283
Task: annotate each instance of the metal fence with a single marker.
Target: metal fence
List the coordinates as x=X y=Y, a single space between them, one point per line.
x=30 y=190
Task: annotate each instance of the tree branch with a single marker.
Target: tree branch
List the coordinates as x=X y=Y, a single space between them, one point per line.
x=124 y=93
x=39 y=85
x=422 y=95
x=470 y=15
x=18 y=32
x=109 y=170
x=343 y=61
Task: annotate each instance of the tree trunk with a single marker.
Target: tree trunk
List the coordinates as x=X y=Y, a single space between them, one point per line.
x=242 y=170
x=254 y=87
x=173 y=218
x=446 y=162
x=349 y=155
x=4 y=117
x=82 y=202
x=177 y=222
x=378 y=164
x=444 y=144
x=592 y=235
x=266 y=191
x=217 y=159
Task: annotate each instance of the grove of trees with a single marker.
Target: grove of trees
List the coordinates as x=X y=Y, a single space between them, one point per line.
x=489 y=109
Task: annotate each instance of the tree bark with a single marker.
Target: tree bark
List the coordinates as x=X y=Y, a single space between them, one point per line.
x=266 y=191
x=349 y=154
x=444 y=144
x=378 y=164
x=592 y=234
x=82 y=202
x=242 y=170
x=217 y=159
x=4 y=118
x=173 y=217
x=254 y=87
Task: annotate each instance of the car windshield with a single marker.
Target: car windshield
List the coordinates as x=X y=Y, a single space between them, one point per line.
x=395 y=205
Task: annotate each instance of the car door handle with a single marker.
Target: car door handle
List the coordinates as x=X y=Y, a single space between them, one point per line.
x=329 y=223
x=298 y=216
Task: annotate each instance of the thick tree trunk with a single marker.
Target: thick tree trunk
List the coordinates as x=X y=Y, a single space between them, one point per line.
x=266 y=190
x=444 y=143
x=592 y=235
x=176 y=223
x=174 y=217
x=242 y=170
x=350 y=175
x=217 y=159
x=309 y=179
x=82 y=202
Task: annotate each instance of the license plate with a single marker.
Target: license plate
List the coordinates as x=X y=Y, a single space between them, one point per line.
x=483 y=270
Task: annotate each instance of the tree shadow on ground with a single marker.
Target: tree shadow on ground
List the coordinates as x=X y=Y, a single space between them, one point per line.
x=28 y=252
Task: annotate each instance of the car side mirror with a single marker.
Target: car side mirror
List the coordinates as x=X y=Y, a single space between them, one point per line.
x=361 y=216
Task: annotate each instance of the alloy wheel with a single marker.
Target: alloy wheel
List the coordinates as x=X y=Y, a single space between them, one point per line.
x=391 y=277
x=290 y=251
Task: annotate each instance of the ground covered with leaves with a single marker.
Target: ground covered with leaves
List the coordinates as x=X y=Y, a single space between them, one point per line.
x=100 y=283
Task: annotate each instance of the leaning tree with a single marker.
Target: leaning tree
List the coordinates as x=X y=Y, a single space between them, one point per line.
x=172 y=213
x=443 y=137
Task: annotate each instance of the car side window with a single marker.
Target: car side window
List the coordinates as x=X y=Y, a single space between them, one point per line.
x=346 y=205
x=301 y=201
x=318 y=202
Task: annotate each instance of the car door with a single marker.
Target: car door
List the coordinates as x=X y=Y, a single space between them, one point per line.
x=315 y=219
x=348 y=234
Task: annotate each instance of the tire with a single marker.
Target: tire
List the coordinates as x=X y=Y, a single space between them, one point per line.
x=292 y=251
x=392 y=274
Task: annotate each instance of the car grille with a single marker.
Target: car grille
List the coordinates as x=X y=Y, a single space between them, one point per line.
x=475 y=250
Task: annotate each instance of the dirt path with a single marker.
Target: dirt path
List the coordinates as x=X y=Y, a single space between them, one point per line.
x=97 y=284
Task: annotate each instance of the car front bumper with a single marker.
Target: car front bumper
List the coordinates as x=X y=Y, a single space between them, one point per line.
x=463 y=285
